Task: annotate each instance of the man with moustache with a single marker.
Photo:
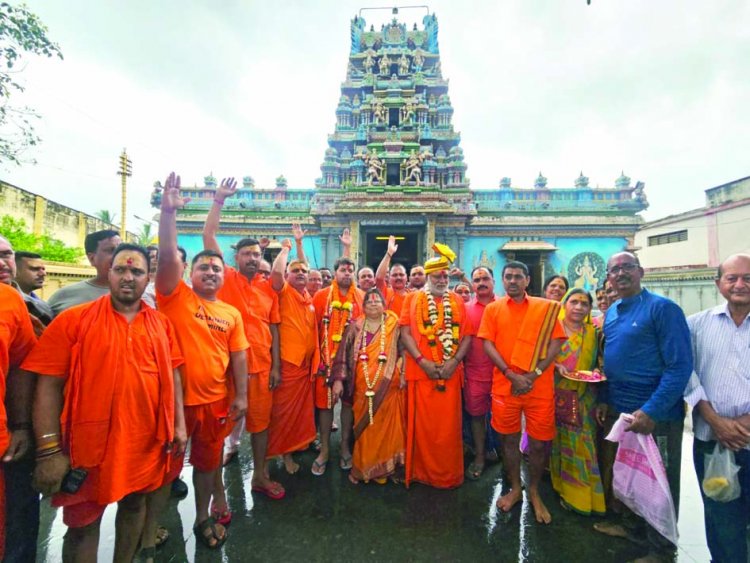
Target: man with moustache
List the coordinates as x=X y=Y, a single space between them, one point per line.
x=212 y=337
x=417 y=277
x=395 y=291
x=120 y=429
x=436 y=333
x=719 y=392
x=100 y=247
x=522 y=337
x=246 y=290
x=292 y=425
x=648 y=362
x=478 y=369
x=365 y=278
x=335 y=307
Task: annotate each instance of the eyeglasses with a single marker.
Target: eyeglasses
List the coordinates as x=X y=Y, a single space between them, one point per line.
x=628 y=267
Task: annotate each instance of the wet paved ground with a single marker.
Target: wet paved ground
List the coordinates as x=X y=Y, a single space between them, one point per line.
x=327 y=518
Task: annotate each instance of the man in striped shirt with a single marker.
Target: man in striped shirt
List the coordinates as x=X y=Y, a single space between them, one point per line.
x=719 y=391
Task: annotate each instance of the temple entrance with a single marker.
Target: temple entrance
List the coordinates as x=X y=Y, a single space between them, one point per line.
x=535 y=263
x=375 y=243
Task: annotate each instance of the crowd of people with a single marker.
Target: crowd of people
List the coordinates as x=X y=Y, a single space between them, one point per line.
x=110 y=382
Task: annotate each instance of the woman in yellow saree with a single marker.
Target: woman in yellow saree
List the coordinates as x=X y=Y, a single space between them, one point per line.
x=367 y=370
x=573 y=463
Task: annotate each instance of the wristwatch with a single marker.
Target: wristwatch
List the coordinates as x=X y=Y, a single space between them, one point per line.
x=537 y=371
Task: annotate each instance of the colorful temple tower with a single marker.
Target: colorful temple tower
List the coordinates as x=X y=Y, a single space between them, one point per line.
x=394 y=166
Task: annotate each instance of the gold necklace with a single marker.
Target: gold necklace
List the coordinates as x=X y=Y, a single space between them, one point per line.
x=364 y=359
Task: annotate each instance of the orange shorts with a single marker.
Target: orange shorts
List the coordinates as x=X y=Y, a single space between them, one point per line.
x=82 y=514
x=207 y=426
x=259 y=402
x=539 y=413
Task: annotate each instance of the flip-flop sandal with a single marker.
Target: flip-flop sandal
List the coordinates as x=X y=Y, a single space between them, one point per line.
x=209 y=524
x=345 y=463
x=318 y=467
x=274 y=491
x=315 y=445
x=223 y=517
x=474 y=471
x=147 y=553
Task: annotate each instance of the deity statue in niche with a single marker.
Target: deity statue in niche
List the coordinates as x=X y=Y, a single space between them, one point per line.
x=384 y=64
x=413 y=166
x=403 y=65
x=369 y=62
x=375 y=168
x=418 y=59
x=378 y=112
x=408 y=111
x=585 y=270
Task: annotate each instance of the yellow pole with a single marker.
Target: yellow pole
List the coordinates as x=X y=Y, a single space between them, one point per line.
x=126 y=169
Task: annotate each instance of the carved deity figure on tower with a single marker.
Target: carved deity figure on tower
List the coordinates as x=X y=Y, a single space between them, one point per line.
x=369 y=62
x=413 y=167
x=408 y=112
x=384 y=64
x=375 y=168
x=378 y=112
x=403 y=65
x=418 y=59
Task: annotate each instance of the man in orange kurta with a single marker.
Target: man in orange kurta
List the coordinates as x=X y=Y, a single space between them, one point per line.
x=522 y=337
x=16 y=341
x=105 y=403
x=335 y=307
x=211 y=335
x=245 y=289
x=395 y=291
x=293 y=415
x=436 y=348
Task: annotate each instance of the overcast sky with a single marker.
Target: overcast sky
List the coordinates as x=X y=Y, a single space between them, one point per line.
x=659 y=89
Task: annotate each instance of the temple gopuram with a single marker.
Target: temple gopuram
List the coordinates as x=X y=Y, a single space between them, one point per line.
x=394 y=166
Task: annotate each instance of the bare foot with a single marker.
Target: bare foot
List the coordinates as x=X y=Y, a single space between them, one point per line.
x=506 y=502
x=353 y=480
x=540 y=511
x=290 y=465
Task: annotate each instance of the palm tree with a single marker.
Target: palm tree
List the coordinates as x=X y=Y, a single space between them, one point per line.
x=106 y=216
x=146 y=236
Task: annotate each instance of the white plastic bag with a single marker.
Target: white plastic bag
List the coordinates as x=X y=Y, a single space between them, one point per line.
x=720 y=480
x=640 y=479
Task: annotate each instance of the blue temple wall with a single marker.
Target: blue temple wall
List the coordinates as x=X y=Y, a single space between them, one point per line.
x=582 y=260
x=193 y=244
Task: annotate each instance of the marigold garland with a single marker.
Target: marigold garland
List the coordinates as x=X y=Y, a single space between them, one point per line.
x=438 y=323
x=364 y=359
x=335 y=320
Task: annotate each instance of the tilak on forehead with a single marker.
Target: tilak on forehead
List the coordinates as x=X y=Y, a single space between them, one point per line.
x=210 y=260
x=129 y=258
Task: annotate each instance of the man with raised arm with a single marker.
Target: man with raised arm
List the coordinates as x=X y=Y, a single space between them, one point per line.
x=258 y=304
x=335 y=307
x=396 y=293
x=106 y=407
x=212 y=336
x=292 y=425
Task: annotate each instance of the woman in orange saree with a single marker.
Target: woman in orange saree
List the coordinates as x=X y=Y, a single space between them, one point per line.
x=367 y=369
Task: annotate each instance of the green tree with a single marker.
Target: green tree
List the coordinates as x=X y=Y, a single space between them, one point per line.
x=21 y=33
x=147 y=235
x=106 y=216
x=49 y=248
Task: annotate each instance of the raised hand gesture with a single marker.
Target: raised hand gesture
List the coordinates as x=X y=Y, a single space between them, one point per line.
x=298 y=232
x=346 y=238
x=392 y=246
x=227 y=189
x=264 y=242
x=171 y=198
x=286 y=243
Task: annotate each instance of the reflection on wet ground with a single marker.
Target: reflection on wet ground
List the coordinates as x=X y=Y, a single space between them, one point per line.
x=328 y=518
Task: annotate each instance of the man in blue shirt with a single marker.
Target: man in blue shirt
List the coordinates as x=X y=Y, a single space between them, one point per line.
x=648 y=362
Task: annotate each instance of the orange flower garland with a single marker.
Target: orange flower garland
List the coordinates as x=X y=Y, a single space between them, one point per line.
x=438 y=323
x=336 y=319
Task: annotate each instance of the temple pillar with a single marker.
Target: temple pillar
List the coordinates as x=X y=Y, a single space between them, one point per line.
x=354 y=232
x=429 y=239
